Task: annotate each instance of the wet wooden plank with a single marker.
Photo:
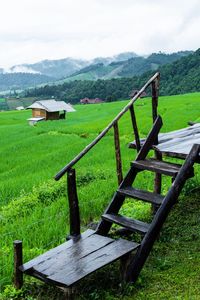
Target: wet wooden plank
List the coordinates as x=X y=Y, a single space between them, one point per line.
x=146 y=196
x=176 y=143
x=180 y=145
x=83 y=266
x=157 y=166
x=131 y=224
x=69 y=256
x=47 y=255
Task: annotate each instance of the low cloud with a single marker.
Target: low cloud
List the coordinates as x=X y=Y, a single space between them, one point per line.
x=49 y=29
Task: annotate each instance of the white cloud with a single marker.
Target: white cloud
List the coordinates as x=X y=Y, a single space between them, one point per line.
x=32 y=30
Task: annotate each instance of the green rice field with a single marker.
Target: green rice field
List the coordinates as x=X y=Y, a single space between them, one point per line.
x=34 y=208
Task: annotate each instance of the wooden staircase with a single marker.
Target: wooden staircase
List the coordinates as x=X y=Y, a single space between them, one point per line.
x=85 y=253
x=149 y=232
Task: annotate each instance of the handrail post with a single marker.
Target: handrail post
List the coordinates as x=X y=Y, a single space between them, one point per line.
x=18 y=261
x=118 y=153
x=74 y=215
x=158 y=177
x=135 y=128
x=155 y=91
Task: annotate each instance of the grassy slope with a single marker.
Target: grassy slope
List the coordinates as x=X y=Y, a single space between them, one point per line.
x=27 y=152
x=31 y=155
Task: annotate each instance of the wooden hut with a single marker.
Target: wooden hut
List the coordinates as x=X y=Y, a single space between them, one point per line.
x=49 y=110
x=91 y=101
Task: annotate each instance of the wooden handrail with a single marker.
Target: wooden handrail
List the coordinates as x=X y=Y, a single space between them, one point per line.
x=103 y=133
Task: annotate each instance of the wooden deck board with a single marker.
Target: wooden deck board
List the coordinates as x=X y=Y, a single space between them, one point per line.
x=177 y=143
x=47 y=255
x=68 y=263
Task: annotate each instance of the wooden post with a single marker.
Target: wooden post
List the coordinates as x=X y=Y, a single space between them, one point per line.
x=69 y=293
x=18 y=261
x=135 y=128
x=118 y=153
x=155 y=90
x=158 y=177
x=124 y=264
x=157 y=182
x=73 y=204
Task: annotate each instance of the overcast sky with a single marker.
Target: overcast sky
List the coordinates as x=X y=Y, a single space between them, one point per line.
x=33 y=30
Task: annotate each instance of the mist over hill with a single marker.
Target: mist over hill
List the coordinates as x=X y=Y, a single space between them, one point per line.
x=178 y=77
x=126 y=64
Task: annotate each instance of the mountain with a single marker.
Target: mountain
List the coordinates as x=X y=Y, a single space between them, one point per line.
x=126 y=64
x=65 y=67
x=21 y=80
x=178 y=77
x=28 y=75
x=183 y=76
x=116 y=58
x=52 y=68
x=136 y=65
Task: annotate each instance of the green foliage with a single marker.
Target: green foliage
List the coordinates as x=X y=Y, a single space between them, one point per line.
x=21 y=80
x=178 y=77
x=44 y=194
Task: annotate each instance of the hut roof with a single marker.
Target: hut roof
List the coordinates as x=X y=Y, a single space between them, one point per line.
x=52 y=106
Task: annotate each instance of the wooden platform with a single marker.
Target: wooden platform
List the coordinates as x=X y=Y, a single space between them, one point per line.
x=176 y=143
x=73 y=260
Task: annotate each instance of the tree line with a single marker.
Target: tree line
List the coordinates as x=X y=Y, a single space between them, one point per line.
x=181 y=76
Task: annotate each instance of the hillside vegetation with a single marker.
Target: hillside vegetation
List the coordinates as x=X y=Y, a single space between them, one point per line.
x=34 y=207
x=69 y=69
x=182 y=76
x=132 y=67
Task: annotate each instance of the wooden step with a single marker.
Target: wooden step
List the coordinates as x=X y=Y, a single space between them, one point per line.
x=73 y=260
x=146 y=196
x=130 y=224
x=157 y=166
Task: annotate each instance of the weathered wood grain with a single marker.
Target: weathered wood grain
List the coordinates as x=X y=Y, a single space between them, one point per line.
x=135 y=128
x=157 y=166
x=146 y=196
x=176 y=143
x=93 y=262
x=64 y=268
x=118 y=153
x=131 y=224
x=18 y=260
x=161 y=215
x=74 y=216
x=47 y=255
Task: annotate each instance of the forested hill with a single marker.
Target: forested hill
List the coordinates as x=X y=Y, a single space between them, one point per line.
x=182 y=76
x=128 y=68
x=21 y=80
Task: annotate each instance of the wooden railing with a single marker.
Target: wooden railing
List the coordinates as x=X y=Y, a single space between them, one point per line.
x=71 y=175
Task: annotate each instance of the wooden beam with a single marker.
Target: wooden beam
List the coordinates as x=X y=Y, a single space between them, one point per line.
x=157 y=182
x=135 y=128
x=74 y=215
x=118 y=153
x=155 y=91
x=150 y=140
x=18 y=261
